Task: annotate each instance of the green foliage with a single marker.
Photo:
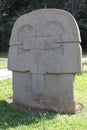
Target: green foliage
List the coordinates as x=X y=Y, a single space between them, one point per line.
x=83 y=30
x=5 y=30
x=4 y=55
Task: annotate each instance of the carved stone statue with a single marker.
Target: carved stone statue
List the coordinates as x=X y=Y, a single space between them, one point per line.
x=45 y=55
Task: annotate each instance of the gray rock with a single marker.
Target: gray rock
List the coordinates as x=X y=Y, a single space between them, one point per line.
x=44 y=55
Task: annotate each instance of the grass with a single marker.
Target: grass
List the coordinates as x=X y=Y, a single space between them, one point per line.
x=3 y=64
x=12 y=118
x=3 y=54
x=85 y=68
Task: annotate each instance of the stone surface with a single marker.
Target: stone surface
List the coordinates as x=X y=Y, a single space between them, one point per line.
x=45 y=55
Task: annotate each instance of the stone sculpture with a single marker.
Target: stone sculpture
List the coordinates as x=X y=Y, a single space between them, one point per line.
x=44 y=56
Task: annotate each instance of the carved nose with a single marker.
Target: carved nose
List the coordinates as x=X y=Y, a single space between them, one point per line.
x=40 y=43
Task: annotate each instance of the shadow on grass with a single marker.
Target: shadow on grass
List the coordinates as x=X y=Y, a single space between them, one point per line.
x=12 y=117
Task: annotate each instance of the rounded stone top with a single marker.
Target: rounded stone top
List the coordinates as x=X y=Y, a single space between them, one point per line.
x=57 y=24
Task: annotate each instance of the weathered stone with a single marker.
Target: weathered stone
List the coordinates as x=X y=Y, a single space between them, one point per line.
x=44 y=56
x=63 y=59
x=22 y=87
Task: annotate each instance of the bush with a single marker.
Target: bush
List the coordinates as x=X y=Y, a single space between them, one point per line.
x=83 y=30
x=5 y=31
x=81 y=17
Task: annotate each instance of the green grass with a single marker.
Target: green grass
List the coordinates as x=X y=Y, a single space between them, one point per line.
x=3 y=54
x=85 y=68
x=3 y=63
x=12 y=118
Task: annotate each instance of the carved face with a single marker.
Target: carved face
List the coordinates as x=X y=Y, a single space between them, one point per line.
x=47 y=36
x=45 y=41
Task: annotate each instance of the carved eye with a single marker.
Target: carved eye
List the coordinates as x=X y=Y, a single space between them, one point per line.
x=25 y=32
x=53 y=28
